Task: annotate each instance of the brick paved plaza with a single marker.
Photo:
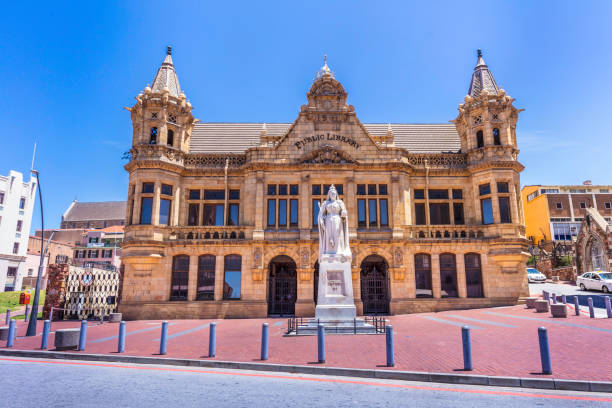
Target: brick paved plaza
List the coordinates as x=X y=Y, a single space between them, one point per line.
x=504 y=343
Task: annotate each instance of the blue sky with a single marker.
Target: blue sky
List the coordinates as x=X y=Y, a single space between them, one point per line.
x=69 y=69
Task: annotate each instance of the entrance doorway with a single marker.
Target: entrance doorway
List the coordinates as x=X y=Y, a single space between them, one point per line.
x=375 y=285
x=282 y=286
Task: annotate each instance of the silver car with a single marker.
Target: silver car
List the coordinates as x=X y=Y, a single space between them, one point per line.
x=535 y=276
x=596 y=280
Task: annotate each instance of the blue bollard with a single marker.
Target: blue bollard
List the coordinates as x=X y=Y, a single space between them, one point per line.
x=544 y=351
x=164 y=338
x=467 y=349
x=264 y=341
x=45 y=335
x=576 y=306
x=554 y=298
x=212 y=340
x=27 y=313
x=608 y=307
x=390 y=347
x=10 y=341
x=545 y=295
x=8 y=316
x=121 y=341
x=563 y=299
x=321 y=342
x=591 y=309
x=83 y=335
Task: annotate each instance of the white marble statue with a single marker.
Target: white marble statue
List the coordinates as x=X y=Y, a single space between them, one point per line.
x=333 y=226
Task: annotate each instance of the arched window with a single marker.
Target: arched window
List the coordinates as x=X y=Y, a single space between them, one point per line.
x=170 y=137
x=479 y=139
x=180 y=277
x=448 y=275
x=473 y=275
x=206 y=277
x=231 y=285
x=153 y=136
x=422 y=274
x=496 y=139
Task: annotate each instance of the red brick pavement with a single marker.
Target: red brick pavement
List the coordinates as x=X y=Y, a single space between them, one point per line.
x=421 y=344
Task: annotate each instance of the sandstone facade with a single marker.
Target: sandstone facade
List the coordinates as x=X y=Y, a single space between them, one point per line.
x=220 y=216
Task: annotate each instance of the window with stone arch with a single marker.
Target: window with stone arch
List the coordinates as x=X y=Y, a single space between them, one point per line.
x=473 y=275
x=180 y=277
x=170 y=137
x=479 y=139
x=206 y=277
x=153 y=136
x=496 y=137
x=422 y=275
x=448 y=275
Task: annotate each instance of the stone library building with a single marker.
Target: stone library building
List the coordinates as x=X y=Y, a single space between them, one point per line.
x=221 y=218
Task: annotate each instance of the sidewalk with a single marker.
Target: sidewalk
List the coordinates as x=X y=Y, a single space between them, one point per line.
x=504 y=343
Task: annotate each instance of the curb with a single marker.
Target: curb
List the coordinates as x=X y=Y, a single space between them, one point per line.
x=538 y=383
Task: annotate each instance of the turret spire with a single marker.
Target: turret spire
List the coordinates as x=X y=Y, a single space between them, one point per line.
x=166 y=77
x=482 y=78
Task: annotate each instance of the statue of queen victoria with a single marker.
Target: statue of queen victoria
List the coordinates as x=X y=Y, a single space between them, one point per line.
x=333 y=226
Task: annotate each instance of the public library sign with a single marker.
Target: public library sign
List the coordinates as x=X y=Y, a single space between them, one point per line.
x=327 y=136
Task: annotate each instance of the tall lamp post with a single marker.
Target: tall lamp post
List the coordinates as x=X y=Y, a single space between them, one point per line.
x=32 y=323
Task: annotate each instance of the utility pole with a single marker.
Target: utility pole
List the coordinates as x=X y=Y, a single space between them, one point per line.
x=32 y=323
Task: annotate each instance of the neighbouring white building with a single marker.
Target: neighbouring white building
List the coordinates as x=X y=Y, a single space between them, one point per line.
x=16 y=204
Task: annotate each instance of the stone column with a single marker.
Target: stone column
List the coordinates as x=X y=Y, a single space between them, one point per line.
x=514 y=204
x=305 y=216
x=192 y=286
x=494 y=202
x=395 y=207
x=461 y=282
x=350 y=201
x=155 y=209
x=258 y=231
x=136 y=209
x=435 y=275
x=410 y=274
x=219 y=278
x=176 y=206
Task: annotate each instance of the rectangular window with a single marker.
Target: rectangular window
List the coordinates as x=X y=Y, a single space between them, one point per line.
x=504 y=210
x=271 y=213
x=194 y=212
x=419 y=214
x=234 y=194
x=315 y=211
x=148 y=188
x=316 y=189
x=361 y=189
x=487 y=211
x=361 y=213
x=372 y=213
x=502 y=187
x=439 y=214
x=16 y=248
x=19 y=224
x=608 y=205
x=1 y=197
x=382 y=189
x=419 y=194
x=293 y=211
x=457 y=194
x=339 y=189
x=458 y=213
x=93 y=240
x=583 y=205
x=282 y=189
x=233 y=214
x=436 y=194
x=11 y=271
x=146 y=208
x=164 y=211
x=371 y=189
x=180 y=278
x=560 y=206
x=293 y=189
x=22 y=203
x=271 y=189
x=282 y=213
x=206 y=278
x=233 y=267
x=384 y=221
x=484 y=189
x=326 y=188
x=194 y=194
x=166 y=189
x=213 y=214
x=214 y=194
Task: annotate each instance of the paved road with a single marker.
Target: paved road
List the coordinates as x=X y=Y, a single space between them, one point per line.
x=569 y=290
x=82 y=384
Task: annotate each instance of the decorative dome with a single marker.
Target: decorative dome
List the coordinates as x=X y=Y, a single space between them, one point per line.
x=324 y=71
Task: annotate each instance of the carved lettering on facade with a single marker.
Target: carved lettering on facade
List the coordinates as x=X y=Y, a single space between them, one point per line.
x=327 y=136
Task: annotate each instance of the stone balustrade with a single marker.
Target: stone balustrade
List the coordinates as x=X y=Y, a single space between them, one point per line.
x=446 y=231
x=206 y=233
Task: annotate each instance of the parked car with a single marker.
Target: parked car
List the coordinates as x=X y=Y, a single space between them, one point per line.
x=535 y=276
x=596 y=280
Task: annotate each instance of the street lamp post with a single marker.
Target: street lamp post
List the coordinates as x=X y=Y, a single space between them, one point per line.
x=32 y=323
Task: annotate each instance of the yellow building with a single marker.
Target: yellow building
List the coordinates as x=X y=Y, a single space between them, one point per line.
x=220 y=216
x=556 y=212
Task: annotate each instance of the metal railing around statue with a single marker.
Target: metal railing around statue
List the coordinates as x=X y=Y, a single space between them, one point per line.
x=379 y=323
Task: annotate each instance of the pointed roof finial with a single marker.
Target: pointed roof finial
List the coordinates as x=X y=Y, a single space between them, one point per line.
x=169 y=50
x=479 y=53
x=325 y=59
x=324 y=71
x=482 y=78
x=166 y=77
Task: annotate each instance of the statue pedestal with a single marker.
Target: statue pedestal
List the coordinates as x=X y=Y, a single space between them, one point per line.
x=335 y=301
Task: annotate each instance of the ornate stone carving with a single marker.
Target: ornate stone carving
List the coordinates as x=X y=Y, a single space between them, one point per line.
x=327 y=155
x=214 y=160
x=438 y=160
